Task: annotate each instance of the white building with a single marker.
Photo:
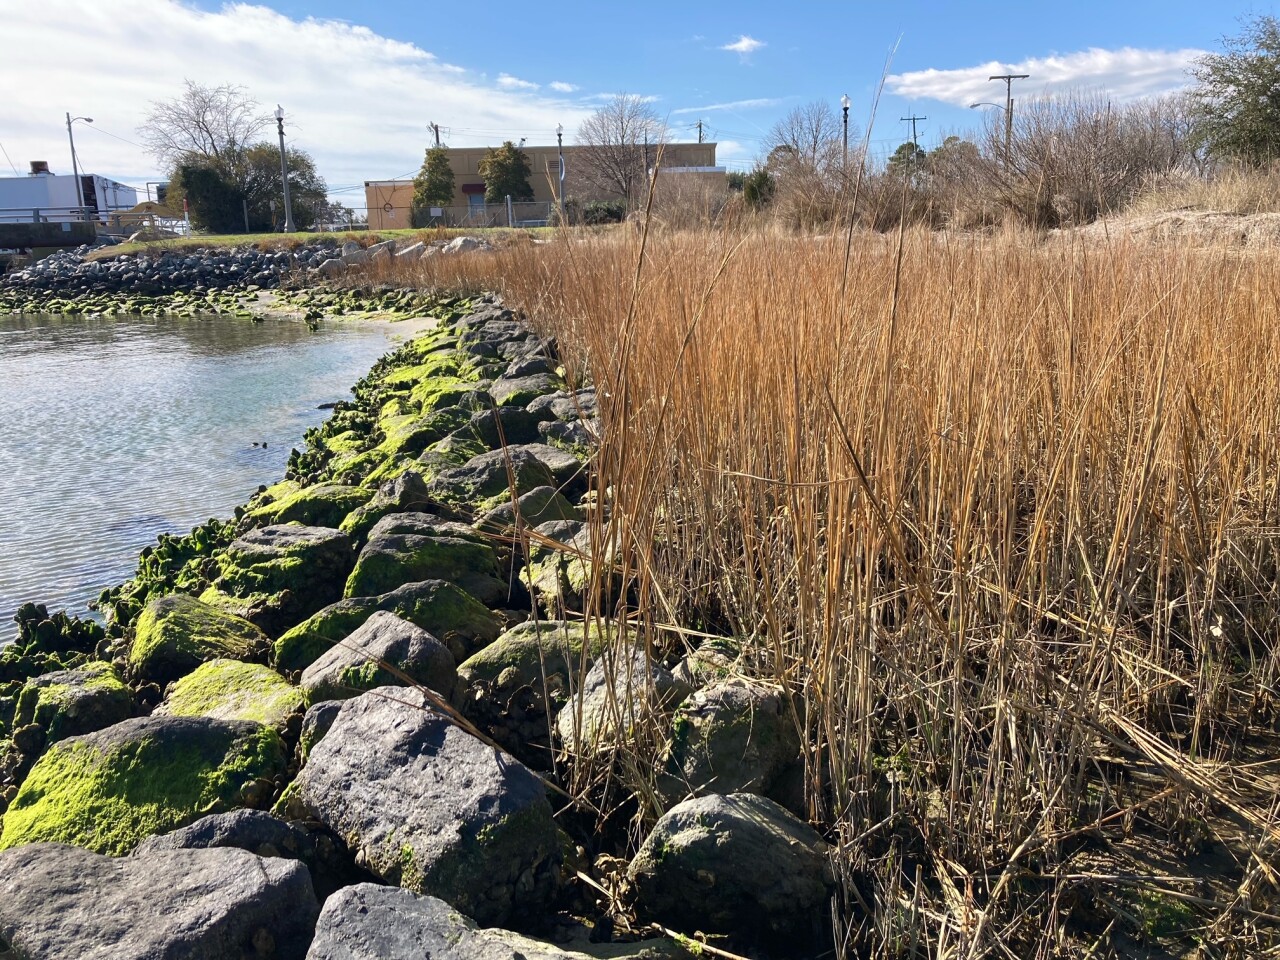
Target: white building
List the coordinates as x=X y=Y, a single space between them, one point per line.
x=42 y=196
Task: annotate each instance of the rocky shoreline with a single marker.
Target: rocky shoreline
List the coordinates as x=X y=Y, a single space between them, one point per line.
x=344 y=722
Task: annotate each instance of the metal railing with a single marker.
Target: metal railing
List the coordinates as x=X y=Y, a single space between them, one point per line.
x=46 y=214
x=530 y=213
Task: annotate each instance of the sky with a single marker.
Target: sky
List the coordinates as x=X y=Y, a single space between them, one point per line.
x=359 y=83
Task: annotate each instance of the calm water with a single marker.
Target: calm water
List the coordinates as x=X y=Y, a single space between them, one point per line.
x=115 y=430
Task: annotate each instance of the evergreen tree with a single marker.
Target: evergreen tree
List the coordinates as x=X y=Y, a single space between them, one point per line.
x=432 y=187
x=1235 y=94
x=506 y=173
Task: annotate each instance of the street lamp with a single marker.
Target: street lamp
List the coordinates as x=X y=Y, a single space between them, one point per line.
x=284 y=172
x=1008 y=79
x=75 y=168
x=560 y=151
x=844 y=106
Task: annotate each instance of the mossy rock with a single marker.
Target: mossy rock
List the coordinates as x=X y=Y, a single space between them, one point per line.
x=406 y=493
x=390 y=560
x=451 y=614
x=68 y=703
x=535 y=649
x=230 y=690
x=323 y=505
x=177 y=633
x=108 y=791
x=487 y=480
x=277 y=575
x=440 y=392
x=384 y=651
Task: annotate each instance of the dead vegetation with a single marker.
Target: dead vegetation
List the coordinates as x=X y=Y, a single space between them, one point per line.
x=1001 y=519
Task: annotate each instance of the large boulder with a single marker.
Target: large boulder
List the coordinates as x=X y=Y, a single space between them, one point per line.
x=256 y=831
x=409 y=548
x=427 y=806
x=379 y=653
x=738 y=865
x=521 y=391
x=514 y=688
x=447 y=612
x=369 y=922
x=67 y=703
x=60 y=902
x=731 y=737
x=622 y=691
x=407 y=492
x=177 y=633
x=323 y=505
x=230 y=690
x=109 y=790
x=487 y=479
x=275 y=576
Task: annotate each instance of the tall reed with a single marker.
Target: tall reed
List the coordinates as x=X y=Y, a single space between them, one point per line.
x=1000 y=517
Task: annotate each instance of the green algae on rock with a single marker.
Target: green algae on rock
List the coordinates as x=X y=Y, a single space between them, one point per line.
x=323 y=505
x=459 y=620
x=67 y=703
x=107 y=791
x=230 y=690
x=177 y=633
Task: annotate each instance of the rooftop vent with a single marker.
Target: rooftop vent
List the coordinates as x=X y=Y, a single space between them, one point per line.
x=40 y=168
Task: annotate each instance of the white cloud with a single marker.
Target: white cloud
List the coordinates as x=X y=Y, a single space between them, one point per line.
x=1125 y=74
x=744 y=45
x=508 y=82
x=357 y=101
x=733 y=105
x=560 y=86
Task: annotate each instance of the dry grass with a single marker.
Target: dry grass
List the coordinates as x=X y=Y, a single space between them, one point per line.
x=1001 y=517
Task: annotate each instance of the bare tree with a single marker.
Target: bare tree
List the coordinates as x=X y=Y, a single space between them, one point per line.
x=623 y=137
x=204 y=122
x=805 y=158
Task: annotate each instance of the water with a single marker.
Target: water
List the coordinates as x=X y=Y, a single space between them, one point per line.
x=113 y=431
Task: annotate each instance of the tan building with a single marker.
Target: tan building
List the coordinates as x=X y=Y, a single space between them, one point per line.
x=389 y=201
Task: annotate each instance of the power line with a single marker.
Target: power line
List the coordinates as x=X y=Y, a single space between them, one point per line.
x=7 y=160
x=912 y=120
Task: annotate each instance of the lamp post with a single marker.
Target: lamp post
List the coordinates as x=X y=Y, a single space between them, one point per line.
x=284 y=172
x=75 y=168
x=1008 y=79
x=560 y=151
x=844 y=107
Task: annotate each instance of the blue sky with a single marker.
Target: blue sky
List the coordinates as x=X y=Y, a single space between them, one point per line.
x=360 y=82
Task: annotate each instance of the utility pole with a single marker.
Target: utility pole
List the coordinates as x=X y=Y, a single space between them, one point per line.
x=699 y=131
x=912 y=120
x=284 y=177
x=1008 y=79
x=435 y=128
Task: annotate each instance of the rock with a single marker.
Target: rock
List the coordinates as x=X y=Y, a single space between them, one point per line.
x=349 y=248
x=62 y=902
x=488 y=477
x=392 y=559
x=67 y=703
x=175 y=634
x=730 y=737
x=714 y=660
x=331 y=267
x=255 y=831
x=529 y=366
x=275 y=576
x=229 y=690
x=370 y=922
x=109 y=790
x=381 y=251
x=521 y=391
x=737 y=865
x=540 y=505
x=407 y=492
x=323 y=505
x=315 y=724
x=355 y=258
x=412 y=252
x=462 y=245
x=450 y=614
x=559 y=570
x=582 y=434
x=355 y=664
x=620 y=692
x=514 y=688
x=428 y=807
x=499 y=426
